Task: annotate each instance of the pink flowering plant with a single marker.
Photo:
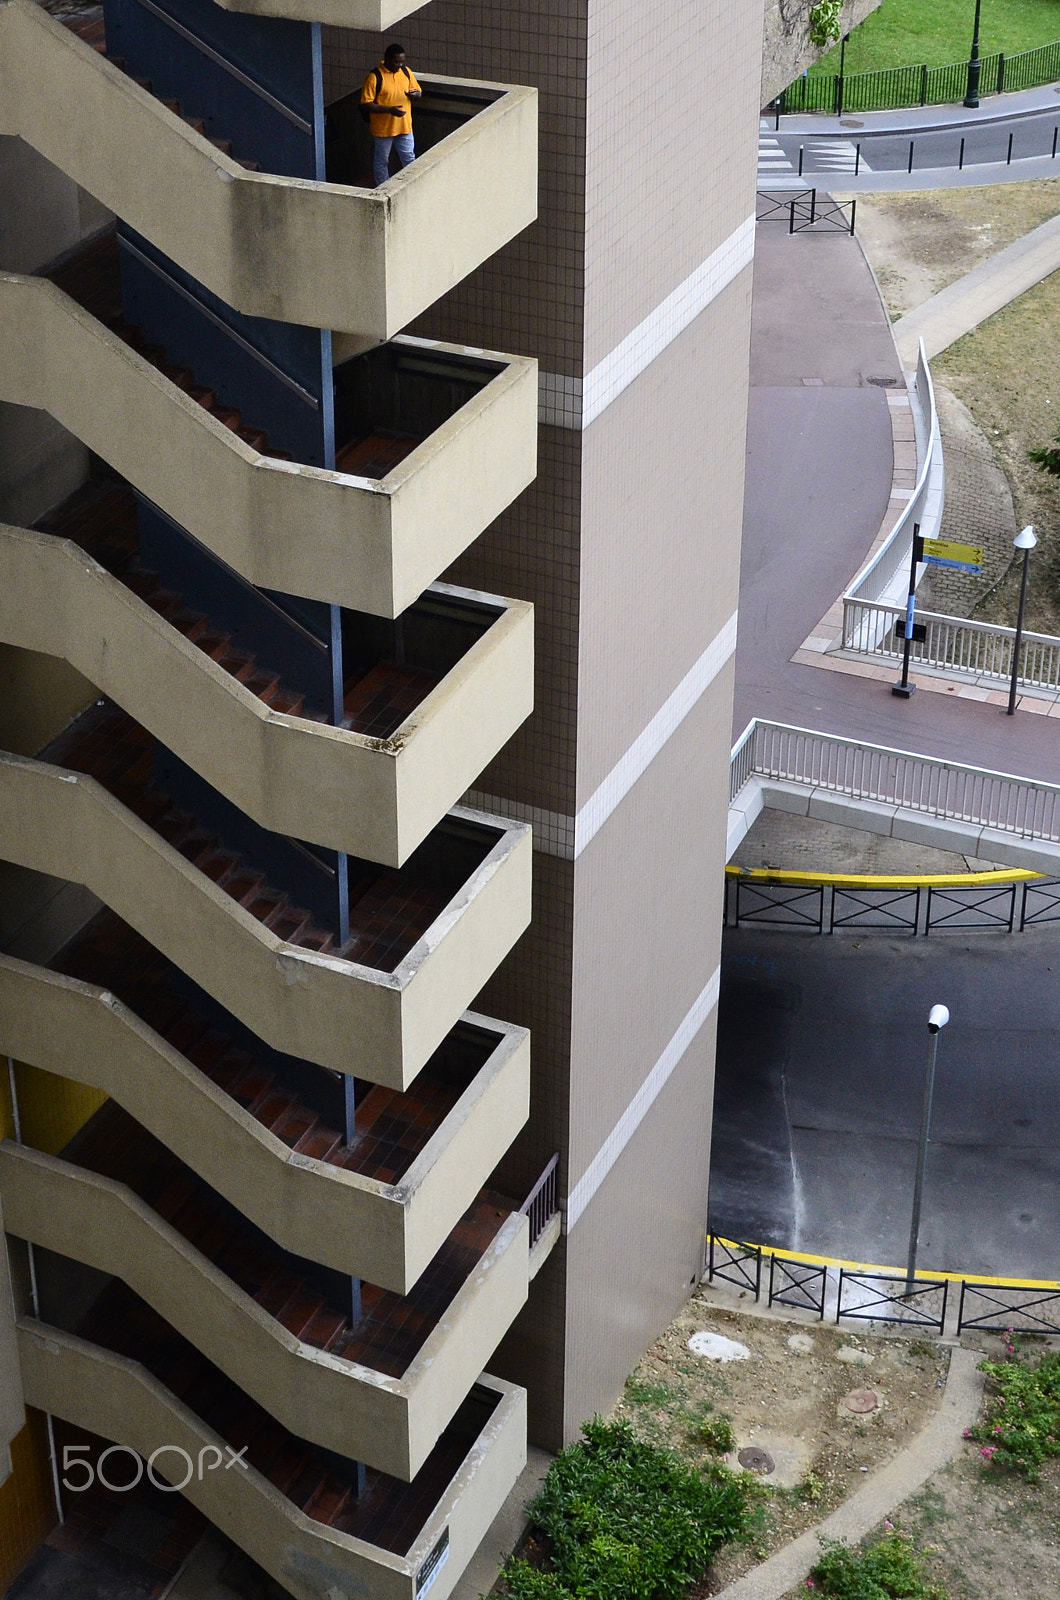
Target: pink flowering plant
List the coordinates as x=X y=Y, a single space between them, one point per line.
x=1020 y=1428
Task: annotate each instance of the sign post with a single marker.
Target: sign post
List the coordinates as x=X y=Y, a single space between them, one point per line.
x=933 y=553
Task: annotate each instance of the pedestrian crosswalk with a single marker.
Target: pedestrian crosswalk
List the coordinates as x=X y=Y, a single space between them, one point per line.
x=779 y=170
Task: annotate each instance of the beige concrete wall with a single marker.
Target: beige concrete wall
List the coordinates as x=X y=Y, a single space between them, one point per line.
x=338 y=257
x=386 y=1233
x=390 y=1423
x=118 y=1399
x=342 y=13
x=370 y=544
x=379 y=1026
x=38 y=697
x=647 y=616
x=786 y=47
x=372 y=798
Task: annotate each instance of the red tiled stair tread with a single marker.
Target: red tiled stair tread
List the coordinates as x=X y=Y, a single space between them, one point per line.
x=376 y=454
x=101 y=518
x=377 y=704
x=393 y=1327
x=388 y=1514
x=392 y=1128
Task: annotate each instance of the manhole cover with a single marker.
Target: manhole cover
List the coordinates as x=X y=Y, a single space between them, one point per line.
x=885 y=383
x=756 y=1460
x=861 y=1401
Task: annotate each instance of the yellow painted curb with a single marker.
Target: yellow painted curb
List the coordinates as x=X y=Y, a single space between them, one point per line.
x=861 y=880
x=897 y=1272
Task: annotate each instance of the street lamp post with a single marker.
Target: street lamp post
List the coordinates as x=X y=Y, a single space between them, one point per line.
x=1026 y=542
x=937 y=1020
x=971 y=98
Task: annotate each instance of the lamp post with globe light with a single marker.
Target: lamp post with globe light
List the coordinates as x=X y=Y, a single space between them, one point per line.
x=971 y=98
x=1026 y=542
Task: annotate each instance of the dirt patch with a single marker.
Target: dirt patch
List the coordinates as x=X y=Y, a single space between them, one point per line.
x=921 y=243
x=786 y=1400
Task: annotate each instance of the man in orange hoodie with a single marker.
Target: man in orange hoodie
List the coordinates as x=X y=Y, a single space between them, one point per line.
x=386 y=97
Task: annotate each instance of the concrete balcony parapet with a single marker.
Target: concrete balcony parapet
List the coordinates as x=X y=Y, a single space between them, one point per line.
x=371 y=544
x=390 y=1423
x=118 y=1399
x=374 y=798
x=374 y=16
x=327 y=255
x=374 y=1024
x=385 y=1232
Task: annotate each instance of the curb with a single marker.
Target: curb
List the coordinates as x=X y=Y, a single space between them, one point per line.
x=936 y=1444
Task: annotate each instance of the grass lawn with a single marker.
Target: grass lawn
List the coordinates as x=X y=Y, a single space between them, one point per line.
x=905 y=33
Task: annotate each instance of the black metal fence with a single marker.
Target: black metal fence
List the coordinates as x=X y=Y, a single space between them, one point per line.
x=808 y=211
x=542 y=1203
x=893 y=87
x=880 y=1296
x=1004 y=1308
x=931 y=908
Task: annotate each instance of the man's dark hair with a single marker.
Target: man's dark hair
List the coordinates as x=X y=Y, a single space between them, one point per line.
x=393 y=50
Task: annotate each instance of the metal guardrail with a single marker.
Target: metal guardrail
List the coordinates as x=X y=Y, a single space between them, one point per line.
x=1021 y=807
x=979 y=650
x=890 y=88
x=975 y=907
x=806 y=211
x=542 y=1203
x=883 y=1297
x=881 y=1294
x=1005 y=1308
x=885 y=576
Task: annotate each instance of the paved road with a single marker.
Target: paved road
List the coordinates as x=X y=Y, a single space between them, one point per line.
x=822 y=1044
x=819 y=474
x=824 y=155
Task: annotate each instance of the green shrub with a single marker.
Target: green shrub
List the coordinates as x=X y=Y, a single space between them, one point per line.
x=625 y=1520
x=1021 y=1428
x=716 y=1433
x=889 y=1569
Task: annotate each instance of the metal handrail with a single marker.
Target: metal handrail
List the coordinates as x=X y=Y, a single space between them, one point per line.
x=1026 y=808
x=954 y=644
x=542 y=1203
x=891 y=561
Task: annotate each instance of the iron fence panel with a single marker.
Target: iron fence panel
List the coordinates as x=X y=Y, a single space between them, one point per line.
x=999 y=1308
x=729 y=1262
x=1041 y=902
x=780 y=905
x=879 y=1297
x=797 y=1283
x=888 y=909
x=890 y=88
x=973 y=909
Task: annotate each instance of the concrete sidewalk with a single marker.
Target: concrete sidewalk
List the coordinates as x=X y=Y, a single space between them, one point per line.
x=921 y=119
x=956 y=310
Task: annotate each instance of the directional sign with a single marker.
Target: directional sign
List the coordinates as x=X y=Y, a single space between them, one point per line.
x=957 y=557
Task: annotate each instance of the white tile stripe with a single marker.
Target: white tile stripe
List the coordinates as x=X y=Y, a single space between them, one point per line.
x=642 y=752
x=661 y=327
x=642 y=1102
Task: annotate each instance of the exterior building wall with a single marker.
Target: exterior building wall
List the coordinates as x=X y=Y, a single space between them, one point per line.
x=629 y=544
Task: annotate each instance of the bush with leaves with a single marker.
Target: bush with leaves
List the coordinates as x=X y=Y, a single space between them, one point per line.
x=1048 y=457
x=625 y=1520
x=1021 y=1428
x=826 y=22
x=889 y=1569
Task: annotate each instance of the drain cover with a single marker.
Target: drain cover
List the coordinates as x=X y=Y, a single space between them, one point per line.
x=861 y=1401
x=756 y=1460
x=885 y=383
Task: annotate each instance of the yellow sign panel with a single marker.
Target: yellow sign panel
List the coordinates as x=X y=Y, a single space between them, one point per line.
x=947 y=553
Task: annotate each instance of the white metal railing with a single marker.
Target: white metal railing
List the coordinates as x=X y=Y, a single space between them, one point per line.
x=953 y=644
x=949 y=789
x=885 y=575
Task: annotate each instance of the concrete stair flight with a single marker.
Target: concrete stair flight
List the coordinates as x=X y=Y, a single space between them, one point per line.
x=390 y=909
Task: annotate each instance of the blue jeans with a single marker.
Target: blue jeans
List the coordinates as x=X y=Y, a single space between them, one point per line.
x=406 y=152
